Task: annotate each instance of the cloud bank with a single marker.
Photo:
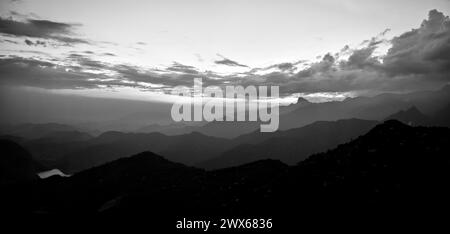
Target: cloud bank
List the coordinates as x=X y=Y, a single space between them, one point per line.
x=417 y=59
x=45 y=29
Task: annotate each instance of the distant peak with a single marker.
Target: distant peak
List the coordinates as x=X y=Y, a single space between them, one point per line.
x=413 y=109
x=390 y=125
x=408 y=113
x=392 y=122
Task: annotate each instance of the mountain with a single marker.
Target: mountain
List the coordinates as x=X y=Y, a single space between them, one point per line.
x=442 y=117
x=392 y=166
x=375 y=178
x=62 y=136
x=76 y=151
x=35 y=131
x=222 y=129
x=303 y=112
x=189 y=149
x=172 y=129
x=105 y=187
x=227 y=129
x=411 y=116
x=300 y=103
x=16 y=164
x=291 y=146
x=371 y=108
x=148 y=182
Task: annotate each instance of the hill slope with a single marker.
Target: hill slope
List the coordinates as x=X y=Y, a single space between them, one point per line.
x=293 y=145
x=374 y=177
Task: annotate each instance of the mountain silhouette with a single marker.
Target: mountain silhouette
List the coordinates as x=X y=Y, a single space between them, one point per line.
x=376 y=176
x=411 y=116
x=189 y=148
x=62 y=147
x=442 y=117
x=291 y=146
x=16 y=164
x=62 y=136
x=72 y=151
x=303 y=112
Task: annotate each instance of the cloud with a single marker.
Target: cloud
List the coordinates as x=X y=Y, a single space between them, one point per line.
x=36 y=43
x=79 y=71
x=325 y=65
x=167 y=80
x=35 y=73
x=84 y=61
x=10 y=41
x=417 y=59
x=287 y=67
x=109 y=54
x=425 y=50
x=178 y=67
x=228 y=62
x=45 y=29
x=361 y=59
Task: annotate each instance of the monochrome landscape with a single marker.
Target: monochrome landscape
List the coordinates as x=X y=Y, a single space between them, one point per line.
x=120 y=114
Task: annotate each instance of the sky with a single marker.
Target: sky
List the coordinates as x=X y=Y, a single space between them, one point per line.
x=320 y=49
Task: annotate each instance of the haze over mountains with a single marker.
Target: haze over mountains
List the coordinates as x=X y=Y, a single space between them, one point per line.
x=304 y=112
x=70 y=150
x=293 y=145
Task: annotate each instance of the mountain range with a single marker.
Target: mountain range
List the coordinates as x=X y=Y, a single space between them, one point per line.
x=70 y=150
x=376 y=175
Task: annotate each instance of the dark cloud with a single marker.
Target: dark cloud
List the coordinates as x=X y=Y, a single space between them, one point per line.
x=286 y=66
x=424 y=50
x=30 y=72
x=10 y=41
x=178 y=67
x=282 y=67
x=88 y=53
x=167 y=80
x=47 y=29
x=109 y=54
x=385 y=32
x=324 y=66
x=36 y=43
x=228 y=62
x=417 y=59
x=86 y=62
x=361 y=59
x=80 y=71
